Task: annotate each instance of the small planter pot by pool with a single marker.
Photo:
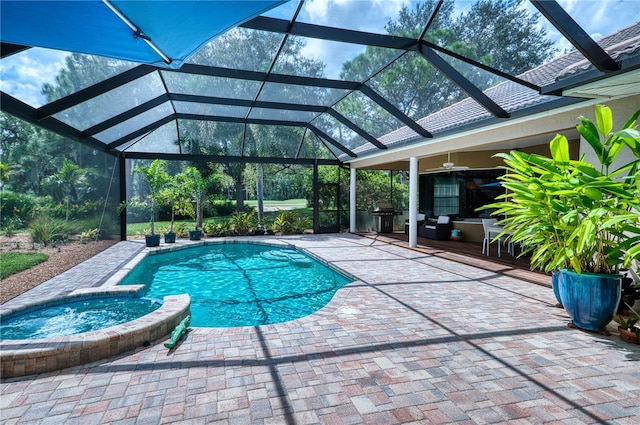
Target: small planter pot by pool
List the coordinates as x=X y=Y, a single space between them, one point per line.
x=152 y=240
x=195 y=235
x=56 y=348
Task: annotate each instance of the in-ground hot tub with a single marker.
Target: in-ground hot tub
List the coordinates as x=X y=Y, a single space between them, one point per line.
x=21 y=357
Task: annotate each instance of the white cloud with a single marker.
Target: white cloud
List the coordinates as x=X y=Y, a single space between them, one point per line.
x=333 y=54
x=600 y=18
x=23 y=74
x=358 y=15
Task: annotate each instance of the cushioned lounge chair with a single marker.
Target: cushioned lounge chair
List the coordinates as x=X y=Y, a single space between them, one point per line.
x=440 y=230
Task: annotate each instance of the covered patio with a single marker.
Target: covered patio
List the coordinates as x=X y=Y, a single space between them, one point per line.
x=421 y=336
x=416 y=338
x=183 y=93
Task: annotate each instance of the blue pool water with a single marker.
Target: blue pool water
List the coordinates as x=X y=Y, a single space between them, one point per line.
x=73 y=316
x=240 y=284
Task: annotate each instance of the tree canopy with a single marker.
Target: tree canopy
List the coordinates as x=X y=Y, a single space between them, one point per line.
x=497 y=33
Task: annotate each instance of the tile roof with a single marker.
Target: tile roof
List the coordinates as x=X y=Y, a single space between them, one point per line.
x=512 y=96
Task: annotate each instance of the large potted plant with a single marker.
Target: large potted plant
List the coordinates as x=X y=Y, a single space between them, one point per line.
x=194 y=187
x=172 y=195
x=156 y=178
x=576 y=217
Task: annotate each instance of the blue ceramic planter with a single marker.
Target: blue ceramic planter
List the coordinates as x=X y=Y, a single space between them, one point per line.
x=590 y=299
x=195 y=235
x=555 y=284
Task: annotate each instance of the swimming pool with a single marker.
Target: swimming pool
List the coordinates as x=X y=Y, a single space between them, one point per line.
x=239 y=284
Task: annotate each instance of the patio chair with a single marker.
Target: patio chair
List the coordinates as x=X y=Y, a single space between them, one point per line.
x=487 y=223
x=439 y=231
x=419 y=218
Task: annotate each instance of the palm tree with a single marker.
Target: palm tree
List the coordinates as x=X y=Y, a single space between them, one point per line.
x=192 y=182
x=157 y=178
x=69 y=178
x=171 y=194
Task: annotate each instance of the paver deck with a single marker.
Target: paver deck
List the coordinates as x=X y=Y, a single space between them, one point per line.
x=418 y=338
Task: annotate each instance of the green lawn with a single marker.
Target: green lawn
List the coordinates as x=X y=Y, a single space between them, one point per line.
x=14 y=262
x=289 y=204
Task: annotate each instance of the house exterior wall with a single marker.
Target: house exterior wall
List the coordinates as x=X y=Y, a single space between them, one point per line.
x=475 y=148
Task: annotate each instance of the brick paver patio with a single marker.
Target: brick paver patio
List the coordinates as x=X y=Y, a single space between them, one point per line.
x=416 y=339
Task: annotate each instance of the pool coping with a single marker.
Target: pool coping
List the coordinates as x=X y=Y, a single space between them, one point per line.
x=117 y=277
x=28 y=357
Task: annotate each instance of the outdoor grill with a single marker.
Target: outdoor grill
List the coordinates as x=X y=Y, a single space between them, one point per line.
x=385 y=213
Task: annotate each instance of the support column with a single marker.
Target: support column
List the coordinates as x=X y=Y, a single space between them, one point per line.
x=316 y=198
x=413 y=202
x=122 y=195
x=352 y=201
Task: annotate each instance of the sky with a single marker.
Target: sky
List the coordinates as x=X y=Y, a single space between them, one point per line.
x=22 y=75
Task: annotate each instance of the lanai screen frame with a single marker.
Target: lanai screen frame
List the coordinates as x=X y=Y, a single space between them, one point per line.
x=603 y=67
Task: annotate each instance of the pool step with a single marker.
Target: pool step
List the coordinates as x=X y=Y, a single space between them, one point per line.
x=294 y=258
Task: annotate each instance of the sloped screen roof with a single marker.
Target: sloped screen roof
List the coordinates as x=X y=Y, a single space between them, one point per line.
x=305 y=81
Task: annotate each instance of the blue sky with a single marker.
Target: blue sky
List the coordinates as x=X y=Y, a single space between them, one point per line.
x=22 y=75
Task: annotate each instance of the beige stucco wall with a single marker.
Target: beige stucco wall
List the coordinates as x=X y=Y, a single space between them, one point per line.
x=622 y=110
x=475 y=148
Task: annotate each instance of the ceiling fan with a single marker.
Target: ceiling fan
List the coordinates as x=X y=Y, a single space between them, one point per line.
x=448 y=166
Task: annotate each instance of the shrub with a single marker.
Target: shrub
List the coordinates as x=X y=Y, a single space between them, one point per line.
x=16 y=209
x=89 y=235
x=47 y=230
x=289 y=223
x=181 y=230
x=107 y=226
x=243 y=223
x=220 y=208
x=218 y=229
x=76 y=211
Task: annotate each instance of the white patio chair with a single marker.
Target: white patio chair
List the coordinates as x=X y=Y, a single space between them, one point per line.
x=486 y=242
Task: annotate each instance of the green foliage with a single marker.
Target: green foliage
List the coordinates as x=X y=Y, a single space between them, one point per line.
x=89 y=235
x=567 y=213
x=220 y=208
x=171 y=194
x=630 y=323
x=69 y=178
x=243 y=223
x=74 y=211
x=135 y=208
x=47 y=230
x=513 y=42
x=224 y=228
x=16 y=209
x=374 y=186
x=289 y=222
x=107 y=225
x=156 y=179
x=15 y=262
x=181 y=230
x=194 y=186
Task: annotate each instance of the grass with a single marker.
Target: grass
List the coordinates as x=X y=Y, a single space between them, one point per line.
x=298 y=205
x=288 y=204
x=15 y=262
